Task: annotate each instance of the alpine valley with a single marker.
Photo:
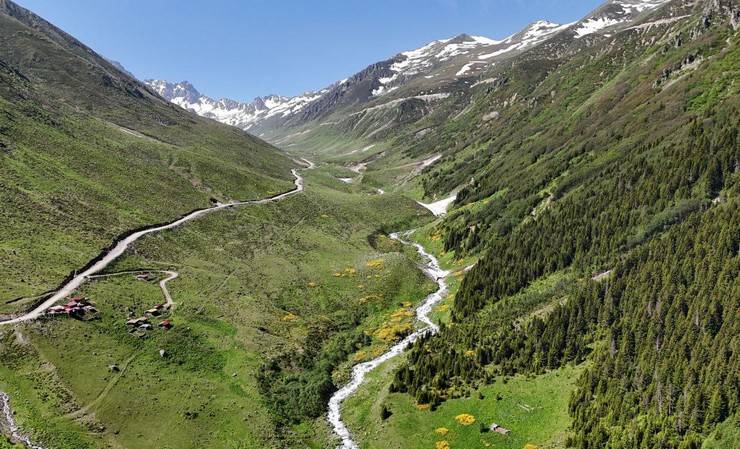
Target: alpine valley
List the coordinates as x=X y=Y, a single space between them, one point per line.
x=524 y=242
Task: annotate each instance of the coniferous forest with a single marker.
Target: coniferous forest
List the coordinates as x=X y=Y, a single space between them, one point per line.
x=659 y=330
x=639 y=239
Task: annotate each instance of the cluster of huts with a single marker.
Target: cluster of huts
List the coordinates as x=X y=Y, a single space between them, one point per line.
x=80 y=306
x=144 y=323
x=77 y=306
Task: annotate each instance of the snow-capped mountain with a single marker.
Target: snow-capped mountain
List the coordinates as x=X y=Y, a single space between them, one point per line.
x=428 y=74
x=463 y=54
x=613 y=13
x=467 y=53
x=232 y=112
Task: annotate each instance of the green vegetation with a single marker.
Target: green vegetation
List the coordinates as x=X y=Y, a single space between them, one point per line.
x=619 y=157
x=87 y=153
x=724 y=435
x=534 y=409
x=292 y=278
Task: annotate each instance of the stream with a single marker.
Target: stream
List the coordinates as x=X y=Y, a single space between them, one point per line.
x=8 y=421
x=360 y=371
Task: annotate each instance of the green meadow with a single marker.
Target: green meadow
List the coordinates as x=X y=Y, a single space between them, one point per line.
x=534 y=409
x=273 y=305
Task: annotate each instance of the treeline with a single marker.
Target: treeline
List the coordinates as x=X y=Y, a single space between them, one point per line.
x=666 y=367
x=486 y=346
x=626 y=201
x=671 y=368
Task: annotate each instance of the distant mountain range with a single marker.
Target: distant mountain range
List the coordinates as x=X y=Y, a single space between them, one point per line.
x=232 y=112
x=434 y=65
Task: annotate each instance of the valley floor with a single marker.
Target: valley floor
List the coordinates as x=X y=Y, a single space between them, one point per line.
x=296 y=277
x=273 y=304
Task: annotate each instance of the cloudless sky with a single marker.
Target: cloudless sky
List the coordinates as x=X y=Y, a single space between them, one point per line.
x=242 y=49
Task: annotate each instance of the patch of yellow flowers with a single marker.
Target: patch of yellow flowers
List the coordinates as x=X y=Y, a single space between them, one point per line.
x=375 y=263
x=465 y=419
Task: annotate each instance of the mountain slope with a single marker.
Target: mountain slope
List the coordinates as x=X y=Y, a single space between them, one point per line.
x=396 y=90
x=88 y=152
x=602 y=201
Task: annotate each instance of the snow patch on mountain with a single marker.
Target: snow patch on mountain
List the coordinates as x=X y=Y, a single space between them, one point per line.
x=464 y=46
x=615 y=13
x=640 y=5
x=466 y=68
x=413 y=62
x=232 y=112
x=532 y=35
x=593 y=25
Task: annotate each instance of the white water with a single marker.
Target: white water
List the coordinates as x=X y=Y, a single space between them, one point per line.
x=123 y=245
x=359 y=371
x=13 y=429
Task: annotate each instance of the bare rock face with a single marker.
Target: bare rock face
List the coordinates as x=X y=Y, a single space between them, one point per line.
x=720 y=11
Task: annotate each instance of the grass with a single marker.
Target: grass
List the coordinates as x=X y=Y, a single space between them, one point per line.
x=534 y=409
x=69 y=189
x=255 y=284
x=87 y=153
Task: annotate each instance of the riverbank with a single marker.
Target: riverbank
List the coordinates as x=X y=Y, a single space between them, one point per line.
x=359 y=372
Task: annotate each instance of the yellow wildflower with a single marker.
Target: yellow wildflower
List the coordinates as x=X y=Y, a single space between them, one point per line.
x=375 y=263
x=465 y=419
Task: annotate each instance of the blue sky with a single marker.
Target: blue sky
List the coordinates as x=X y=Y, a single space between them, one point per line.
x=241 y=49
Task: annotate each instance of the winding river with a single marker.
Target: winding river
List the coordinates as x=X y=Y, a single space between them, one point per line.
x=360 y=371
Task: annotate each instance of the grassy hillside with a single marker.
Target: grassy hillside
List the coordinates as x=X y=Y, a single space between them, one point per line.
x=533 y=409
x=292 y=292
x=86 y=153
x=620 y=156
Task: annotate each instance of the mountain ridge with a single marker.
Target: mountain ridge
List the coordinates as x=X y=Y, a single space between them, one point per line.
x=469 y=54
